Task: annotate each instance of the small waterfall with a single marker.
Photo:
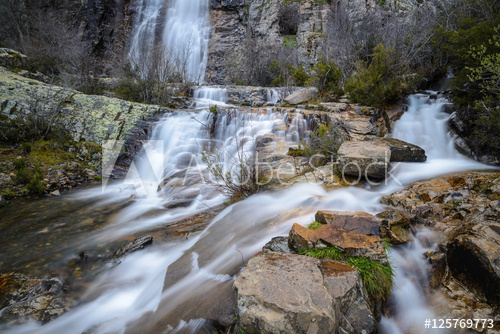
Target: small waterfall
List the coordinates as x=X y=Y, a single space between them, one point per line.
x=272 y=96
x=187 y=31
x=208 y=96
x=411 y=292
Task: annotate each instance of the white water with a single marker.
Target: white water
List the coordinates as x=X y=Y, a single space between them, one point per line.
x=211 y=260
x=146 y=20
x=187 y=31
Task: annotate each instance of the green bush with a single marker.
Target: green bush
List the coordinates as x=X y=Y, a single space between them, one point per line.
x=35 y=185
x=19 y=163
x=26 y=147
x=8 y=194
x=380 y=82
x=327 y=77
x=326 y=140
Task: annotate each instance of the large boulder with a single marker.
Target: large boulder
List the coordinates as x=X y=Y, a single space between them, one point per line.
x=402 y=151
x=368 y=159
x=289 y=293
x=301 y=96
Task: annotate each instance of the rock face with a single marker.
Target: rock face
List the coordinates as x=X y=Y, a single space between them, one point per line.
x=369 y=159
x=87 y=117
x=289 y=293
x=464 y=209
x=301 y=96
x=12 y=59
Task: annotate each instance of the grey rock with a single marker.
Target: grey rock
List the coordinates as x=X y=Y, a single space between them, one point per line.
x=368 y=159
x=301 y=96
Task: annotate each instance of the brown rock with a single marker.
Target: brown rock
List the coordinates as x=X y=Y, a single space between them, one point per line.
x=394 y=226
x=354 y=222
x=351 y=244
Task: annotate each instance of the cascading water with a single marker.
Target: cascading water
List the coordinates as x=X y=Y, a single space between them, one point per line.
x=180 y=283
x=186 y=33
x=143 y=35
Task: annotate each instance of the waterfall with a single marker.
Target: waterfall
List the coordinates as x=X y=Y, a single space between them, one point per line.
x=146 y=20
x=170 y=282
x=187 y=31
x=184 y=37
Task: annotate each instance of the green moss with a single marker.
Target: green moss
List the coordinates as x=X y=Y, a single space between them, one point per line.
x=314 y=226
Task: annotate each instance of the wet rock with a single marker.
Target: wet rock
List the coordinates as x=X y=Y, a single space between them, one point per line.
x=277 y=244
x=26 y=298
x=354 y=222
x=473 y=258
x=301 y=96
x=438 y=268
x=394 y=226
x=288 y=293
x=364 y=159
x=402 y=151
x=349 y=243
x=132 y=246
x=464 y=210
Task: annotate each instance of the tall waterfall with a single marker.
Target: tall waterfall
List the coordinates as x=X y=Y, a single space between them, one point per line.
x=146 y=20
x=186 y=32
x=184 y=37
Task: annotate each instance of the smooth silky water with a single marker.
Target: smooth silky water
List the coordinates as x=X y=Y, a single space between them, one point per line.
x=179 y=284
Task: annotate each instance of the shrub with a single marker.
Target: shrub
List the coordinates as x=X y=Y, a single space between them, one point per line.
x=26 y=147
x=8 y=194
x=380 y=82
x=22 y=176
x=327 y=77
x=19 y=164
x=326 y=140
x=35 y=185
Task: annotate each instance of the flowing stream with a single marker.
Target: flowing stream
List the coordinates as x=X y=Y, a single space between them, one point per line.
x=182 y=284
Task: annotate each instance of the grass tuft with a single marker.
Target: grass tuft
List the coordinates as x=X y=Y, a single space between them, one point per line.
x=327 y=253
x=377 y=278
